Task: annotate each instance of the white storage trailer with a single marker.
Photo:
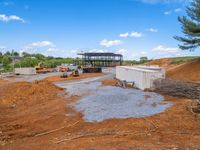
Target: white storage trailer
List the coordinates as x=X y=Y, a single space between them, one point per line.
x=25 y=71
x=142 y=77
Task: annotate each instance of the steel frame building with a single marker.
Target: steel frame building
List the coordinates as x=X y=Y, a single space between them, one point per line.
x=101 y=59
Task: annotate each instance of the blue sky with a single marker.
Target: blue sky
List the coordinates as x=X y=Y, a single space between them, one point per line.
x=133 y=28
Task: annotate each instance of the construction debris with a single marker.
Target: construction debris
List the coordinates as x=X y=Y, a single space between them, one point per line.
x=195 y=108
x=92 y=69
x=177 y=88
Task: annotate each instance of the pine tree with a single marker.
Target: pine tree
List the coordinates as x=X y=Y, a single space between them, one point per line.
x=190 y=27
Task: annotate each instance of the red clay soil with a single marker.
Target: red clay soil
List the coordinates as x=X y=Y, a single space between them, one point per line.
x=186 y=72
x=82 y=76
x=25 y=94
x=110 y=82
x=189 y=71
x=163 y=62
x=3 y=81
x=38 y=116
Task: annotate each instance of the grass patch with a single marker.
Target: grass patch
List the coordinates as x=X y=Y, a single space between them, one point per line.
x=180 y=60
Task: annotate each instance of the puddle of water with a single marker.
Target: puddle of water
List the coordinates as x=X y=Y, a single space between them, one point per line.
x=99 y=103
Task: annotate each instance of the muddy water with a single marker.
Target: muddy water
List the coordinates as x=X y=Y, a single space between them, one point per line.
x=99 y=102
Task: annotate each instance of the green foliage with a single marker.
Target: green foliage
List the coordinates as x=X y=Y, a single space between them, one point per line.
x=7 y=68
x=180 y=60
x=8 y=53
x=25 y=54
x=190 y=27
x=15 y=53
x=27 y=62
x=6 y=60
x=143 y=60
x=32 y=60
x=135 y=62
x=52 y=63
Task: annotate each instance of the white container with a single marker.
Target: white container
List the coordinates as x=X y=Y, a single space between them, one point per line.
x=153 y=67
x=142 y=78
x=25 y=71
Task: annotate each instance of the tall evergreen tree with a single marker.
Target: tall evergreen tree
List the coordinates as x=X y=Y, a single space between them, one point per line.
x=190 y=27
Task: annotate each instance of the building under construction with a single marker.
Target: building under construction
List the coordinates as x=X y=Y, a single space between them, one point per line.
x=101 y=59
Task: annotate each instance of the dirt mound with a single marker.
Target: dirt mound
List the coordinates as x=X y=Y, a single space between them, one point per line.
x=163 y=62
x=24 y=93
x=111 y=82
x=188 y=72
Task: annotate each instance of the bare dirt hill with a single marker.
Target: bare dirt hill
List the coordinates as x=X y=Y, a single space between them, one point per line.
x=180 y=68
x=188 y=72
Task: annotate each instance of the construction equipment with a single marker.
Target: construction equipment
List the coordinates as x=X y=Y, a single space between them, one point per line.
x=40 y=68
x=63 y=69
x=75 y=73
x=64 y=75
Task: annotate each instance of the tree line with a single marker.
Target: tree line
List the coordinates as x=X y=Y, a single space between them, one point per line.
x=8 y=58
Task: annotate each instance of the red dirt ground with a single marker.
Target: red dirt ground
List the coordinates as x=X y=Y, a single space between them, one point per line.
x=163 y=62
x=25 y=121
x=187 y=72
x=82 y=76
x=3 y=81
x=110 y=82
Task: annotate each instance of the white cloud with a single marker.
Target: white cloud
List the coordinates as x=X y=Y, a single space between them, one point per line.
x=167 y=12
x=2 y=47
x=124 y=35
x=178 y=10
x=74 y=51
x=136 y=34
x=7 y=3
x=98 y=50
x=6 y=18
x=122 y=52
x=144 y=53
x=152 y=30
x=109 y=43
x=52 y=49
x=41 y=44
x=164 y=49
x=173 y=11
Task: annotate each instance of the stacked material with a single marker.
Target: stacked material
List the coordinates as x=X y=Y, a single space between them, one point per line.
x=142 y=76
x=92 y=70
